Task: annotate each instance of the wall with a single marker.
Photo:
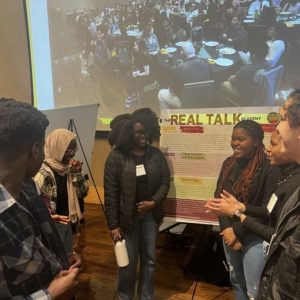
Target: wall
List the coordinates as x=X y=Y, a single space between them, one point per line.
x=100 y=153
x=15 y=79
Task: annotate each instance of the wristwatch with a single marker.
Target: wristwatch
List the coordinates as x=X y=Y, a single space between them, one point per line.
x=236 y=215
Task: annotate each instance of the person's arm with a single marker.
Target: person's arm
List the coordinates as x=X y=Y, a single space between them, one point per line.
x=61 y=285
x=262 y=230
x=163 y=189
x=78 y=179
x=252 y=9
x=238 y=39
x=224 y=221
x=228 y=205
x=268 y=182
x=239 y=76
x=259 y=212
x=112 y=190
x=146 y=71
x=275 y=52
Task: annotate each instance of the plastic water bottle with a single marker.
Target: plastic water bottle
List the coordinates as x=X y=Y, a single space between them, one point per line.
x=121 y=253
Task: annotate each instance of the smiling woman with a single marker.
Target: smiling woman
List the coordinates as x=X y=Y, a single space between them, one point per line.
x=248 y=176
x=136 y=181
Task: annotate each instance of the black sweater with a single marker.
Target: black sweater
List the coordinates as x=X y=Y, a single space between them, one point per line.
x=263 y=185
x=287 y=184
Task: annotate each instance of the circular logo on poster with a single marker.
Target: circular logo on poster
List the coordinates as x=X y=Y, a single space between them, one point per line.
x=273 y=117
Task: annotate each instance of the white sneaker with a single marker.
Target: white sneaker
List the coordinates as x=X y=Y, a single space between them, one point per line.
x=130 y=100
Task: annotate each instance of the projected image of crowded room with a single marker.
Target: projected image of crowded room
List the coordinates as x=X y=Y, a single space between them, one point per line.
x=164 y=54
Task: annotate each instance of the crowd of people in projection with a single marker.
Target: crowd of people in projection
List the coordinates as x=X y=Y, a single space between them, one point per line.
x=256 y=199
x=240 y=47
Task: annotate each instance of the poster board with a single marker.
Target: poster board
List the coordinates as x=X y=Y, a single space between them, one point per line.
x=195 y=143
x=85 y=118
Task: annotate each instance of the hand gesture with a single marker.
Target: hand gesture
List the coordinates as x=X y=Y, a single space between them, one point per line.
x=63 y=285
x=76 y=166
x=219 y=207
x=60 y=219
x=144 y=206
x=116 y=234
x=231 y=200
x=229 y=236
x=75 y=261
x=236 y=246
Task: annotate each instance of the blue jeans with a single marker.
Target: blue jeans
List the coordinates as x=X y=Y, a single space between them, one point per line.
x=141 y=242
x=246 y=266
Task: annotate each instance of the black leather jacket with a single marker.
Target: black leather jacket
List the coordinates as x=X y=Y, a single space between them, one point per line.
x=120 y=186
x=281 y=276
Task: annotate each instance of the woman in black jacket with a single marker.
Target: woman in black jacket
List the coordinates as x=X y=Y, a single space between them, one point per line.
x=247 y=175
x=136 y=181
x=286 y=185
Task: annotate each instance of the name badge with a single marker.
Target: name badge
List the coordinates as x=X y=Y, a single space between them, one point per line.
x=140 y=170
x=272 y=202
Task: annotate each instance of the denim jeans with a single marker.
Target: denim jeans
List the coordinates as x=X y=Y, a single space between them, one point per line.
x=246 y=266
x=140 y=243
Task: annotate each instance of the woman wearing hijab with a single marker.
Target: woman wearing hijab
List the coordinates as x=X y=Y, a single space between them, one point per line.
x=62 y=183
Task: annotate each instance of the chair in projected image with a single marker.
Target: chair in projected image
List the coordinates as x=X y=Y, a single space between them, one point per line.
x=149 y=88
x=198 y=94
x=269 y=82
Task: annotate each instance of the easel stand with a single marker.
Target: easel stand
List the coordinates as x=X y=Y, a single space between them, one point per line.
x=72 y=127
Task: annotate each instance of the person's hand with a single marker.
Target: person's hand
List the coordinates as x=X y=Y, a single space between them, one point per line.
x=76 y=166
x=229 y=236
x=236 y=246
x=60 y=219
x=230 y=199
x=75 y=261
x=116 y=234
x=63 y=285
x=135 y=73
x=144 y=206
x=220 y=207
x=232 y=78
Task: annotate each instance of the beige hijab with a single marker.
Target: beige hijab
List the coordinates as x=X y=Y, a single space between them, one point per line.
x=56 y=145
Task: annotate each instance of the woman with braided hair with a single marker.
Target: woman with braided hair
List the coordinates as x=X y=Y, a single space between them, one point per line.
x=136 y=182
x=249 y=177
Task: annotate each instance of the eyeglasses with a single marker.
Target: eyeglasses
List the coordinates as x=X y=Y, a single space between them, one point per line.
x=141 y=132
x=72 y=150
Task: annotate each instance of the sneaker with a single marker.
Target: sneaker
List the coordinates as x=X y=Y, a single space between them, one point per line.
x=130 y=99
x=128 y=105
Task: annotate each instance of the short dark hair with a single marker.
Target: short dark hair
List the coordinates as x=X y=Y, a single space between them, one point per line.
x=293 y=110
x=21 y=125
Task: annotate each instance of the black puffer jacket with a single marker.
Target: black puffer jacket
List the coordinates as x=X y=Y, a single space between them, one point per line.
x=120 y=186
x=281 y=276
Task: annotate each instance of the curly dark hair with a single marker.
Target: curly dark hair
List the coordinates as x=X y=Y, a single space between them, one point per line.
x=242 y=185
x=121 y=134
x=21 y=125
x=293 y=109
x=116 y=125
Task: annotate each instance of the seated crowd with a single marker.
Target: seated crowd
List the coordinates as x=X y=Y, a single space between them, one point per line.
x=117 y=37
